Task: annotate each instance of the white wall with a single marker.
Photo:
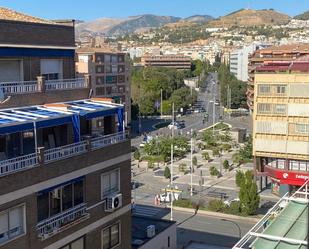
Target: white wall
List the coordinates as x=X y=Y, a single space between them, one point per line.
x=160 y=241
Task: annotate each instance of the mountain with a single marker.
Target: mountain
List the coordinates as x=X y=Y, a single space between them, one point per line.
x=198 y=18
x=250 y=17
x=303 y=16
x=116 y=27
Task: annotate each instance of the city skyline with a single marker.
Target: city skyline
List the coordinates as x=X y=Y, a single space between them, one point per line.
x=85 y=10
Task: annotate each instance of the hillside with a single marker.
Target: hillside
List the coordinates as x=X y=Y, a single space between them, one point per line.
x=198 y=18
x=249 y=17
x=303 y=16
x=115 y=27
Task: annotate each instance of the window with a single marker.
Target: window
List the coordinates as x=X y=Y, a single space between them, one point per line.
x=302 y=128
x=51 y=76
x=100 y=80
x=110 y=183
x=99 y=69
x=108 y=69
x=120 y=58
x=264 y=108
x=264 y=89
x=107 y=58
x=111 y=236
x=302 y=166
x=120 y=68
x=281 y=163
x=100 y=91
x=60 y=199
x=12 y=223
x=100 y=58
x=111 y=79
x=77 y=244
x=281 y=90
x=114 y=58
x=279 y=109
x=294 y=165
x=121 y=78
x=114 y=68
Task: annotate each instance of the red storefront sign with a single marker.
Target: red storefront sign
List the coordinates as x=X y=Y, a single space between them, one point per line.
x=287 y=177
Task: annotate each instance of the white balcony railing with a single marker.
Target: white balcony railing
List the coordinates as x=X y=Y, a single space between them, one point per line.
x=18 y=163
x=13 y=165
x=62 y=221
x=65 y=84
x=103 y=141
x=66 y=151
x=18 y=87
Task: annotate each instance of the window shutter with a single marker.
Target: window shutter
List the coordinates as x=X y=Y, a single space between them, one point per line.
x=16 y=217
x=3 y=223
x=105 y=183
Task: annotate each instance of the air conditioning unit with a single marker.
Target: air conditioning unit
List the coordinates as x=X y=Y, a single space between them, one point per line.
x=56 y=193
x=151 y=231
x=113 y=202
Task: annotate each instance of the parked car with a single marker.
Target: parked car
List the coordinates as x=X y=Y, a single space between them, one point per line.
x=217 y=102
x=174 y=125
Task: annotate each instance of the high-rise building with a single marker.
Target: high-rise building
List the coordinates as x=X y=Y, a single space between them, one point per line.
x=281 y=124
x=64 y=157
x=109 y=75
x=275 y=53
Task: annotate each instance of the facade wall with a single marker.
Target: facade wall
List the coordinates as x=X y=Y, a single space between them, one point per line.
x=26 y=33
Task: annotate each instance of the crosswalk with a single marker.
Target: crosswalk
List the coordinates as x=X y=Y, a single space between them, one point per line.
x=148 y=211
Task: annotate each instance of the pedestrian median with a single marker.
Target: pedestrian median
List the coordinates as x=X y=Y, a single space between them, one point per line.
x=253 y=219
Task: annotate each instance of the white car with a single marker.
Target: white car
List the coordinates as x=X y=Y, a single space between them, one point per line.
x=229 y=202
x=175 y=125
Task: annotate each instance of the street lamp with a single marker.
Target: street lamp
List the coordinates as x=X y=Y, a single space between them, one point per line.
x=238 y=227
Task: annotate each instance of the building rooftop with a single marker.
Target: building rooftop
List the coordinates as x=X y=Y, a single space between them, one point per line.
x=289 y=48
x=285 y=226
x=139 y=229
x=12 y=15
x=92 y=50
x=280 y=66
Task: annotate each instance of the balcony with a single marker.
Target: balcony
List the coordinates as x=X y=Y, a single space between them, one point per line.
x=40 y=85
x=60 y=222
x=44 y=157
x=40 y=135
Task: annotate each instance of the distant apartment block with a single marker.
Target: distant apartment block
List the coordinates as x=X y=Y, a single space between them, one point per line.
x=64 y=157
x=281 y=124
x=109 y=75
x=169 y=61
x=275 y=53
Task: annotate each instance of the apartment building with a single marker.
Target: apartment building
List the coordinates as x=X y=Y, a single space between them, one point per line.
x=109 y=75
x=169 y=61
x=281 y=124
x=275 y=53
x=64 y=157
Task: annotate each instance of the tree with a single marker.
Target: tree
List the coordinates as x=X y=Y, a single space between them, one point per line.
x=248 y=195
x=137 y=155
x=226 y=147
x=213 y=171
x=226 y=164
x=167 y=173
x=206 y=156
x=216 y=152
x=240 y=176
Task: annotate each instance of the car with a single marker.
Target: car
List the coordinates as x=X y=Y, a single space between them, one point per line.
x=217 y=102
x=146 y=140
x=174 y=126
x=229 y=202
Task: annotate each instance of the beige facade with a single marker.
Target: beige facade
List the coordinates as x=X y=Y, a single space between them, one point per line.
x=281 y=116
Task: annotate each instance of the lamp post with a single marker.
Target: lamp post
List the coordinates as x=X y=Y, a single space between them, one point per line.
x=191 y=165
x=172 y=162
x=238 y=227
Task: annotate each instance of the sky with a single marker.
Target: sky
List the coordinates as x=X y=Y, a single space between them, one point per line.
x=92 y=9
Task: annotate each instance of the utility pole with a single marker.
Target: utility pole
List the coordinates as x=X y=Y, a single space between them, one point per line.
x=229 y=100
x=191 y=165
x=161 y=111
x=213 y=110
x=172 y=162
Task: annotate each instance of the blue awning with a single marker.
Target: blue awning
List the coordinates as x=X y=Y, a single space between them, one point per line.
x=23 y=119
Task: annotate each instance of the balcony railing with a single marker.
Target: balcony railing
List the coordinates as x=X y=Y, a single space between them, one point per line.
x=18 y=163
x=66 y=151
x=13 y=165
x=100 y=142
x=62 y=221
x=65 y=84
x=18 y=87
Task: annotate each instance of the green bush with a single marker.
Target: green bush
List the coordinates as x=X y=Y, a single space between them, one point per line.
x=216 y=205
x=213 y=171
x=182 y=167
x=226 y=164
x=194 y=161
x=167 y=172
x=226 y=147
x=206 y=156
x=240 y=176
x=150 y=164
x=137 y=155
x=183 y=203
x=234 y=208
x=216 y=152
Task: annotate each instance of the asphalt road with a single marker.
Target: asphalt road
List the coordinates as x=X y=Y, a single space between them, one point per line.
x=206 y=97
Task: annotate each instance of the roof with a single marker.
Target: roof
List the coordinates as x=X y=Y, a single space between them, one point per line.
x=288 y=48
x=25 y=118
x=285 y=226
x=12 y=15
x=91 y=50
x=139 y=229
x=292 y=66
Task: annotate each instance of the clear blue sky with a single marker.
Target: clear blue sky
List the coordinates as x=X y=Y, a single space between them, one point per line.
x=92 y=9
